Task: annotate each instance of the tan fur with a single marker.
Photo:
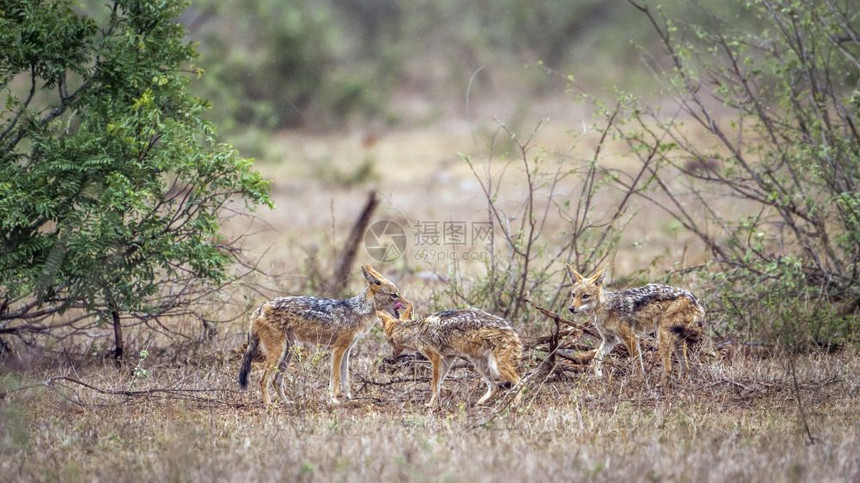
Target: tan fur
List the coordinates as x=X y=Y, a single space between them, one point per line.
x=487 y=341
x=675 y=314
x=279 y=323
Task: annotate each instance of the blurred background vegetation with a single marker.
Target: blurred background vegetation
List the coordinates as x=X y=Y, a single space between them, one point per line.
x=753 y=181
x=273 y=65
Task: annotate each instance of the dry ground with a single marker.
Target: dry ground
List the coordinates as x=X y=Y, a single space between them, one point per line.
x=737 y=421
x=178 y=415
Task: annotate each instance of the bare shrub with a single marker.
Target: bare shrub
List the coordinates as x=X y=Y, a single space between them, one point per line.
x=770 y=185
x=547 y=209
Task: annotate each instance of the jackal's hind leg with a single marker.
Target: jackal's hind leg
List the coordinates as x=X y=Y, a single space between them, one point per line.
x=334 y=384
x=264 y=386
x=273 y=342
x=286 y=357
x=345 y=386
x=507 y=365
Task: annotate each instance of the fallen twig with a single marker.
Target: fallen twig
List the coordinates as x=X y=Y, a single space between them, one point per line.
x=173 y=393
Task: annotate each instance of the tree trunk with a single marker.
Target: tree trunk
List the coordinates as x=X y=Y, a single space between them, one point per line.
x=117 y=335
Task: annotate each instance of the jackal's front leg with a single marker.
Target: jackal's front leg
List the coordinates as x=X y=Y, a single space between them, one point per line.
x=632 y=344
x=683 y=362
x=435 y=384
x=606 y=345
x=481 y=364
x=665 y=346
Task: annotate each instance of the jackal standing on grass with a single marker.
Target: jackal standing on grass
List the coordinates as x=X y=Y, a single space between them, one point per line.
x=625 y=315
x=488 y=342
x=279 y=323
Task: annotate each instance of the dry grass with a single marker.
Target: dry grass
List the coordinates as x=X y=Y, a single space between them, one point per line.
x=421 y=177
x=738 y=420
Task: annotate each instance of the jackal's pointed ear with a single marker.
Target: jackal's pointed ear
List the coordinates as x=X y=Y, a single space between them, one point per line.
x=575 y=277
x=372 y=276
x=599 y=276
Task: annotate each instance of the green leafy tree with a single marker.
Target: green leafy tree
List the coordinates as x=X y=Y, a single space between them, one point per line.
x=111 y=184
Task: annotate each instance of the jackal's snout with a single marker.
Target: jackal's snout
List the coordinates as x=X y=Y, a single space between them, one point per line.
x=398 y=306
x=395 y=305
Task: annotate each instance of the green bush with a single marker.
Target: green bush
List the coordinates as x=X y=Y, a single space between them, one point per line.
x=111 y=184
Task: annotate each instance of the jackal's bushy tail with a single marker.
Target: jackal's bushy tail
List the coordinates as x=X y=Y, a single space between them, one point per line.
x=250 y=352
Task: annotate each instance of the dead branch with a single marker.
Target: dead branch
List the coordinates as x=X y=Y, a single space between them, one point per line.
x=170 y=393
x=548 y=366
x=533 y=342
x=582 y=328
x=347 y=256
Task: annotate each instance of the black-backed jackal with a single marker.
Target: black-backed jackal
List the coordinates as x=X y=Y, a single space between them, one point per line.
x=674 y=313
x=279 y=323
x=488 y=342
